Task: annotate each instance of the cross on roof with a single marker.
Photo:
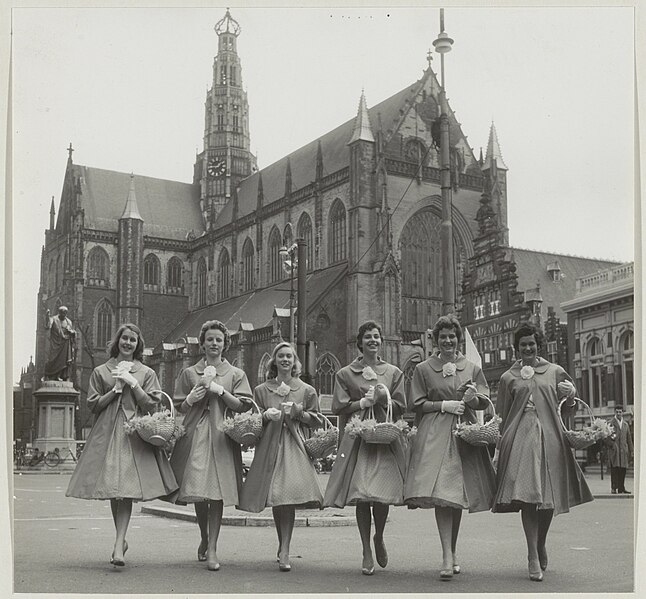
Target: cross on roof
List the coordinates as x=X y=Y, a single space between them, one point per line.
x=70 y=150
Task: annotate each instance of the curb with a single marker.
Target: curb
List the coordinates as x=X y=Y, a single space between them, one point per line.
x=611 y=496
x=314 y=521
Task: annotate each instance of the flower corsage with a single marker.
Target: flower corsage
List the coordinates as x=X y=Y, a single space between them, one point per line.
x=448 y=369
x=526 y=372
x=369 y=374
x=282 y=390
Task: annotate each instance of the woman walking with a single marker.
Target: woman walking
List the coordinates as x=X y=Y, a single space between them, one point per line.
x=207 y=463
x=537 y=473
x=444 y=472
x=282 y=476
x=114 y=465
x=369 y=476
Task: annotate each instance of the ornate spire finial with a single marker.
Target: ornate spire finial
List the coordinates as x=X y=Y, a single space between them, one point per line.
x=69 y=151
x=362 y=129
x=227 y=24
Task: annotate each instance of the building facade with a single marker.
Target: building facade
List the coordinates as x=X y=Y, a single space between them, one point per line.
x=366 y=199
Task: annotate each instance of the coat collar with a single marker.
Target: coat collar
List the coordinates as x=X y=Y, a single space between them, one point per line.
x=222 y=368
x=436 y=363
x=357 y=365
x=295 y=384
x=112 y=364
x=540 y=368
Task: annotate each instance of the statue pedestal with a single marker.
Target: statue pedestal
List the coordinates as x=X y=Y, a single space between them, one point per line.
x=56 y=411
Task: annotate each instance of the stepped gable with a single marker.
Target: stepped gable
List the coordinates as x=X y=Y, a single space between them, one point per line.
x=531 y=268
x=257 y=307
x=335 y=151
x=169 y=209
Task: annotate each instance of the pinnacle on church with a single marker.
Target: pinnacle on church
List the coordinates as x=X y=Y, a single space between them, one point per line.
x=493 y=151
x=227 y=24
x=362 y=129
x=131 y=210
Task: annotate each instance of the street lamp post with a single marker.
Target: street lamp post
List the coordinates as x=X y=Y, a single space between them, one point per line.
x=443 y=45
x=292 y=256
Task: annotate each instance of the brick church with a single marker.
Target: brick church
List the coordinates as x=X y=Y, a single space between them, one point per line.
x=365 y=197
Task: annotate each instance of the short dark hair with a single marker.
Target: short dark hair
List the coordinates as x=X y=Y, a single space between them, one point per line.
x=367 y=326
x=527 y=329
x=215 y=324
x=138 y=354
x=449 y=321
x=272 y=369
x=620 y=407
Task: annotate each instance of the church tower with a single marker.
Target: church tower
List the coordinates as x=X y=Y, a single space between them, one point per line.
x=130 y=261
x=226 y=158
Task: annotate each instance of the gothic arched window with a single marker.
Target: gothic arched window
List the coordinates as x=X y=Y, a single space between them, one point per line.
x=305 y=232
x=596 y=373
x=201 y=282
x=262 y=368
x=248 y=267
x=326 y=368
x=174 y=281
x=98 y=267
x=421 y=270
x=409 y=368
x=627 y=348
x=152 y=270
x=275 y=259
x=103 y=323
x=223 y=275
x=338 y=235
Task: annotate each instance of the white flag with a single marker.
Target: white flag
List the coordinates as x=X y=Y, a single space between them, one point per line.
x=473 y=356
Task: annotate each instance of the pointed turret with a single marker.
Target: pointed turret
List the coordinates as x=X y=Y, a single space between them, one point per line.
x=131 y=209
x=260 y=199
x=319 y=162
x=52 y=215
x=362 y=129
x=493 y=151
x=288 y=178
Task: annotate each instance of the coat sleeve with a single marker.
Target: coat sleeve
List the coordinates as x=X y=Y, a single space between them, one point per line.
x=150 y=403
x=398 y=394
x=96 y=390
x=562 y=376
x=503 y=402
x=418 y=391
x=341 y=398
x=242 y=390
x=311 y=406
x=183 y=387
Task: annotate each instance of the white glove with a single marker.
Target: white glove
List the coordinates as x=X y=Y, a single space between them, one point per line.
x=126 y=377
x=273 y=414
x=197 y=393
x=566 y=389
x=216 y=388
x=368 y=399
x=453 y=406
x=118 y=386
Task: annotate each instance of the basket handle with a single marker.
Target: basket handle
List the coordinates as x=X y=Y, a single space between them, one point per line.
x=389 y=409
x=558 y=411
x=227 y=408
x=490 y=403
x=168 y=397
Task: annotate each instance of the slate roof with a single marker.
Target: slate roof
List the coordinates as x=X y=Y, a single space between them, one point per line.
x=169 y=209
x=531 y=268
x=257 y=307
x=335 y=151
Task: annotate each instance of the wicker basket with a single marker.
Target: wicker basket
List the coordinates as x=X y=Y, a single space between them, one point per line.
x=576 y=439
x=318 y=447
x=159 y=432
x=480 y=434
x=383 y=433
x=245 y=431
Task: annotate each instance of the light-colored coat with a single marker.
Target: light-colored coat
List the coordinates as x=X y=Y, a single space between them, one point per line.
x=620 y=448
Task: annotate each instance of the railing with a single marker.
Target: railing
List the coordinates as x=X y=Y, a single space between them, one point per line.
x=430 y=173
x=605 y=278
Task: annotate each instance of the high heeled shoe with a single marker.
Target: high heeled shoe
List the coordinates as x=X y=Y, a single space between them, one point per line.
x=212 y=562
x=201 y=551
x=542 y=558
x=446 y=574
x=536 y=575
x=283 y=564
x=380 y=552
x=456 y=569
x=119 y=562
x=368 y=571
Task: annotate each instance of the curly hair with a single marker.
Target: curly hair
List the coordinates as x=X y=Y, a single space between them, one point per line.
x=527 y=329
x=449 y=321
x=367 y=326
x=215 y=324
x=138 y=354
x=272 y=369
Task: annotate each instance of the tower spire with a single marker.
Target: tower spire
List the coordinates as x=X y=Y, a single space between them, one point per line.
x=493 y=151
x=52 y=215
x=131 y=209
x=362 y=129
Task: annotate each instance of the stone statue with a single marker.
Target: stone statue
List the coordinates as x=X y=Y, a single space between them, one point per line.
x=62 y=346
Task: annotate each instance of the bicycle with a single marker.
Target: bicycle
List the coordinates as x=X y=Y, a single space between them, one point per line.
x=54 y=458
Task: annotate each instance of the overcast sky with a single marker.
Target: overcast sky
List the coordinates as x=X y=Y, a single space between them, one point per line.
x=127 y=88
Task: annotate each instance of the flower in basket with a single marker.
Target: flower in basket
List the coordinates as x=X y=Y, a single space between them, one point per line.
x=411 y=432
x=355 y=426
x=402 y=425
x=282 y=390
x=228 y=424
x=448 y=369
x=598 y=430
x=526 y=372
x=138 y=423
x=369 y=374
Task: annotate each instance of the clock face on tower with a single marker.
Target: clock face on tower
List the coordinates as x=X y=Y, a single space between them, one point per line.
x=216 y=167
